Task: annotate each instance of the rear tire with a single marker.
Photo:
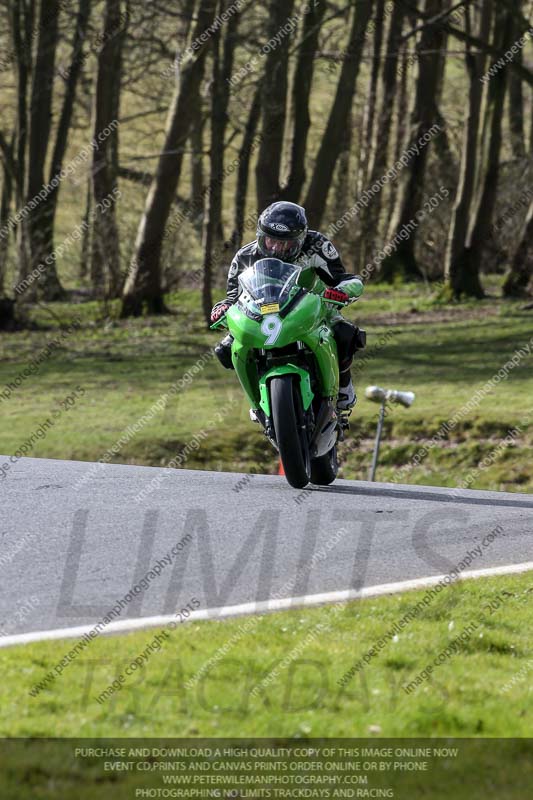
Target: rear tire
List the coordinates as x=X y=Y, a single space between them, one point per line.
x=289 y=427
x=324 y=469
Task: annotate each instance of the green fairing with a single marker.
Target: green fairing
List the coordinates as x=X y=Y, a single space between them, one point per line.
x=308 y=322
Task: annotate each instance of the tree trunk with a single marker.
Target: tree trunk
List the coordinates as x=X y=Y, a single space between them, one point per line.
x=5 y=204
x=331 y=144
x=402 y=106
x=341 y=185
x=360 y=242
x=465 y=280
x=367 y=137
x=143 y=287
x=105 y=252
x=245 y=154
x=39 y=133
x=400 y=128
x=7 y=314
x=516 y=112
x=22 y=21
x=443 y=147
x=475 y=65
x=409 y=199
x=518 y=279
x=220 y=89
x=369 y=220
x=274 y=106
x=197 y=165
x=40 y=125
x=301 y=93
x=22 y=25
x=49 y=280
x=86 y=237
x=531 y=131
x=185 y=19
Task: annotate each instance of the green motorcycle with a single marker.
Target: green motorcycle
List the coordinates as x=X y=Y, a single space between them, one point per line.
x=285 y=357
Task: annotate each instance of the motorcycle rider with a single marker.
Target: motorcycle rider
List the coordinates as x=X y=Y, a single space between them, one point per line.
x=282 y=232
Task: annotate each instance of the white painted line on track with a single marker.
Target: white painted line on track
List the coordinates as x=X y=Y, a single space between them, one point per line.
x=262 y=607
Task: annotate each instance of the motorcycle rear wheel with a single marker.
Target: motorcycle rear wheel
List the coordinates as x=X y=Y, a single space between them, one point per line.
x=290 y=430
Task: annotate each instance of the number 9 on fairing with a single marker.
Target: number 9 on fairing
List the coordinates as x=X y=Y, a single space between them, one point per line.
x=271 y=327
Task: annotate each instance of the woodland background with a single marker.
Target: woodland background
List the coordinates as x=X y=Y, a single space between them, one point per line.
x=138 y=141
x=218 y=108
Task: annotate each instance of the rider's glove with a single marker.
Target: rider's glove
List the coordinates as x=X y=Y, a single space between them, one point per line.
x=336 y=294
x=219 y=309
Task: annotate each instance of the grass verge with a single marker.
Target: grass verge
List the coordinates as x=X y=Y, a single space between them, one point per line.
x=282 y=675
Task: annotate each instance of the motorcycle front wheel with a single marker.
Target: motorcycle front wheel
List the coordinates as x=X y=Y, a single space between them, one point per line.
x=290 y=430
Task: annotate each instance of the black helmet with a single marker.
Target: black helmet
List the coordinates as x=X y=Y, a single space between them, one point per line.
x=281 y=231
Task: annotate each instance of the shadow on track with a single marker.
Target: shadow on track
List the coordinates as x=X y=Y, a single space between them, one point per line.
x=413 y=494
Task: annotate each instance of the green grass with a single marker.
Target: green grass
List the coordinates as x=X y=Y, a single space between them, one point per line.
x=445 y=353
x=300 y=697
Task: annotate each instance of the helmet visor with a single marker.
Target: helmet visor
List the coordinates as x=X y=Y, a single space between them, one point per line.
x=280 y=248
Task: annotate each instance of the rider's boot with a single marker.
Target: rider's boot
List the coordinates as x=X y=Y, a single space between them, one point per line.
x=347 y=397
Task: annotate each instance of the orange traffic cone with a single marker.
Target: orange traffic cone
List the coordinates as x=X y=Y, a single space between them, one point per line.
x=281 y=471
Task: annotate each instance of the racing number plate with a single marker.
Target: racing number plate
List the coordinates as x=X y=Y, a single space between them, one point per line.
x=269 y=308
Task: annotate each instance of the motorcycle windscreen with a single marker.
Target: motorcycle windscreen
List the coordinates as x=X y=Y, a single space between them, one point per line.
x=269 y=283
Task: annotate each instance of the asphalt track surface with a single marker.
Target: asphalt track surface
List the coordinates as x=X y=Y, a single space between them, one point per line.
x=76 y=537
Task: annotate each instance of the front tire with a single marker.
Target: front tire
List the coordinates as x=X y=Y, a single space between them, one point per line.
x=324 y=469
x=290 y=430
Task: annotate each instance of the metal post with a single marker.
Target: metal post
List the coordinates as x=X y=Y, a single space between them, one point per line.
x=378 y=440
